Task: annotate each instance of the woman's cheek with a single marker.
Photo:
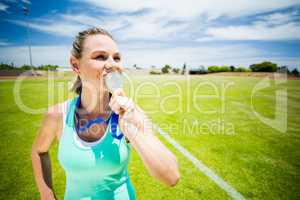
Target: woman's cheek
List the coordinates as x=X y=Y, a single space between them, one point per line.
x=120 y=66
x=95 y=70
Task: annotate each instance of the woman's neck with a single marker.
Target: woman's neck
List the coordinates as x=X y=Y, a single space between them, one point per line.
x=95 y=104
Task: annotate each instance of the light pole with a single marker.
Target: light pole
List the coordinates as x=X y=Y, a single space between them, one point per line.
x=26 y=13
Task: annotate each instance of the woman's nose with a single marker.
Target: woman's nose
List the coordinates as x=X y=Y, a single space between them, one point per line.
x=108 y=67
x=111 y=65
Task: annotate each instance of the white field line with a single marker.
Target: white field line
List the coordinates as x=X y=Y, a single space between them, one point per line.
x=202 y=167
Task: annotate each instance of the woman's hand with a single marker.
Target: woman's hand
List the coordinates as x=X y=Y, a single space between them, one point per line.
x=131 y=118
x=159 y=161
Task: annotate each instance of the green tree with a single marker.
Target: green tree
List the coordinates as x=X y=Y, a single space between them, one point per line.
x=295 y=72
x=154 y=72
x=242 y=69
x=232 y=68
x=48 y=67
x=25 y=67
x=214 y=68
x=264 y=67
x=4 y=66
x=176 y=70
x=166 y=69
x=224 y=69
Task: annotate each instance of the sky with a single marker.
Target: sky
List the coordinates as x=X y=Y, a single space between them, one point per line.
x=155 y=33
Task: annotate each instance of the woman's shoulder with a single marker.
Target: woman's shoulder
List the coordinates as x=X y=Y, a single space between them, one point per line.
x=54 y=116
x=57 y=110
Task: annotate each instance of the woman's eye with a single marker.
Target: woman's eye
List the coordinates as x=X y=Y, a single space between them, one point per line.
x=117 y=59
x=101 y=57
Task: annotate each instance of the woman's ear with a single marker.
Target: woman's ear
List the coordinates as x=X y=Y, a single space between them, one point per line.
x=74 y=64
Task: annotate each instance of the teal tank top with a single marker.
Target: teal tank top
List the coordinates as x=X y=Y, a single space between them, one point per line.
x=94 y=170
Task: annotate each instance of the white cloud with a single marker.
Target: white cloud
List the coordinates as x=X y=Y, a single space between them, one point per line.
x=194 y=16
x=4 y=43
x=259 y=31
x=109 y=23
x=169 y=22
x=53 y=27
x=279 y=18
x=3 y=7
x=69 y=25
x=26 y=1
x=149 y=27
x=191 y=8
x=278 y=26
x=146 y=26
x=40 y=54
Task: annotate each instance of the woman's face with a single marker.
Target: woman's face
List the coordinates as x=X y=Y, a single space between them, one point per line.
x=100 y=56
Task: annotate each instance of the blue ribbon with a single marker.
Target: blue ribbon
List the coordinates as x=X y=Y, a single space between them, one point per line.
x=114 y=126
x=114 y=122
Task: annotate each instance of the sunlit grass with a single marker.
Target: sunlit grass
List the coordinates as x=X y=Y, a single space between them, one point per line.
x=257 y=160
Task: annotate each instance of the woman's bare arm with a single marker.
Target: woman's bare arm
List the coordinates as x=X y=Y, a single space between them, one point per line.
x=40 y=158
x=137 y=127
x=157 y=158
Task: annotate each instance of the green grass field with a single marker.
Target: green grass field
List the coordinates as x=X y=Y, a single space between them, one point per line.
x=257 y=160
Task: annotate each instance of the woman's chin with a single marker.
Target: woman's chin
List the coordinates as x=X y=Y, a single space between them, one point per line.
x=101 y=90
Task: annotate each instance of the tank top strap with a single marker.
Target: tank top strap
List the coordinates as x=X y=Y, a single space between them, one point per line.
x=64 y=111
x=71 y=107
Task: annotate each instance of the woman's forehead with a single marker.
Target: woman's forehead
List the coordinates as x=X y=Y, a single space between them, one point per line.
x=100 y=42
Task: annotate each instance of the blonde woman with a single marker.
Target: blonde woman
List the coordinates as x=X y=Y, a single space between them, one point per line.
x=96 y=132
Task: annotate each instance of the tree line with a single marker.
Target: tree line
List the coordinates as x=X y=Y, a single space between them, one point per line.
x=4 y=66
x=265 y=66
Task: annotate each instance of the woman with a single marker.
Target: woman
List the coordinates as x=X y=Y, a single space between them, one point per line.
x=96 y=131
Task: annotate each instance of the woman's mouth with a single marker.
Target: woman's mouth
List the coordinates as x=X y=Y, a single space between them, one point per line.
x=106 y=71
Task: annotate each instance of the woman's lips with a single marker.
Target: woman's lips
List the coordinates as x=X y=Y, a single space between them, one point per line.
x=105 y=72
